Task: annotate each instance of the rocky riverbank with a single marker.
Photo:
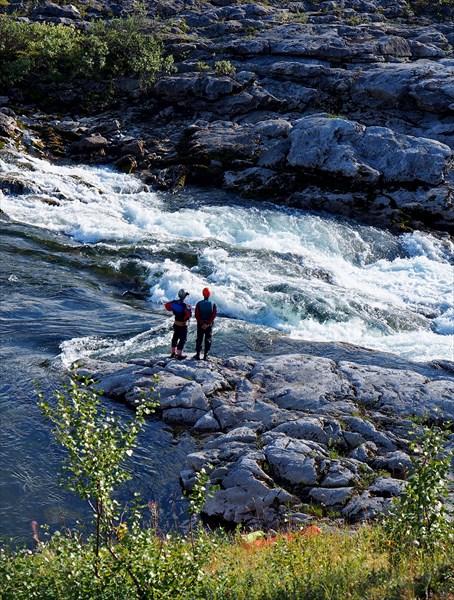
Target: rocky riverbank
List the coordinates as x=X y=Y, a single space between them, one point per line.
x=283 y=435
x=345 y=107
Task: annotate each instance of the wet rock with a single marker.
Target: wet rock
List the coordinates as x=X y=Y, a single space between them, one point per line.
x=132 y=147
x=126 y=164
x=8 y=125
x=254 y=181
x=221 y=141
x=10 y=185
x=91 y=144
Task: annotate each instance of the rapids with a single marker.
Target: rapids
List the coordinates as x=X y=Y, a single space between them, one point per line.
x=311 y=277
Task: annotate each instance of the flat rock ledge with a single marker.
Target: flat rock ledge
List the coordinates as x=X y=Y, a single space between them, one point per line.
x=290 y=435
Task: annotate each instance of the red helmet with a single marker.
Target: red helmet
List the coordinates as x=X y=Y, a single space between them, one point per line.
x=206 y=292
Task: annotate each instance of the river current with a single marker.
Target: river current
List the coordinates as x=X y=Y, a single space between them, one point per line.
x=89 y=257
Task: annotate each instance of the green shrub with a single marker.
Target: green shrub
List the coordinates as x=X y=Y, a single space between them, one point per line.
x=224 y=67
x=130 y=51
x=44 y=52
x=202 y=66
x=97 y=444
x=419 y=520
x=337 y=564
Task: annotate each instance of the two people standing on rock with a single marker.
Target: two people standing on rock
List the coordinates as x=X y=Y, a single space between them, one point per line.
x=205 y=313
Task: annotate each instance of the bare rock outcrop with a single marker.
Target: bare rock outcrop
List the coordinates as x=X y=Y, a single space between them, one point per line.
x=291 y=430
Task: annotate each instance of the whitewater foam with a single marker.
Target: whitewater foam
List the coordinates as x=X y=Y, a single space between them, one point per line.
x=306 y=275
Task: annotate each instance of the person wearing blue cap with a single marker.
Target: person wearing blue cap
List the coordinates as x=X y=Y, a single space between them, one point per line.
x=182 y=313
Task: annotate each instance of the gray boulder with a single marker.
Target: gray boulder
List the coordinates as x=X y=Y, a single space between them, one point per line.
x=400 y=392
x=366 y=507
x=339 y=147
x=425 y=84
x=286 y=429
x=331 y=497
x=387 y=487
x=292 y=461
x=90 y=144
x=184 y=88
x=49 y=9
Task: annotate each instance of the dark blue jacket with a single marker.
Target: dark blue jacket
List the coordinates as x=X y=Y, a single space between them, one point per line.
x=180 y=309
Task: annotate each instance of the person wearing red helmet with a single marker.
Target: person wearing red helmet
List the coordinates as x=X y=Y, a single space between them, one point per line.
x=182 y=313
x=205 y=313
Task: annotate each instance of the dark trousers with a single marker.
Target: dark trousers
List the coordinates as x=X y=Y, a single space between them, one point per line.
x=203 y=333
x=180 y=333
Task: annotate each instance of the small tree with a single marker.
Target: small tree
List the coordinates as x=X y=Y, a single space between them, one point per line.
x=97 y=443
x=198 y=495
x=419 y=519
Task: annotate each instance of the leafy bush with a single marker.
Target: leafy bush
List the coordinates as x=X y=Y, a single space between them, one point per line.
x=130 y=51
x=44 y=52
x=224 y=67
x=419 y=520
x=202 y=66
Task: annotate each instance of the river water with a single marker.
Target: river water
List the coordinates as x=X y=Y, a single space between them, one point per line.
x=89 y=256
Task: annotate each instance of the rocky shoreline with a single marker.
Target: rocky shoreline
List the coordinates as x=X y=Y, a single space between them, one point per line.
x=291 y=432
x=345 y=107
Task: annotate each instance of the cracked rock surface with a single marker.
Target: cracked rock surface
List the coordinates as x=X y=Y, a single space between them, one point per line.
x=282 y=434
